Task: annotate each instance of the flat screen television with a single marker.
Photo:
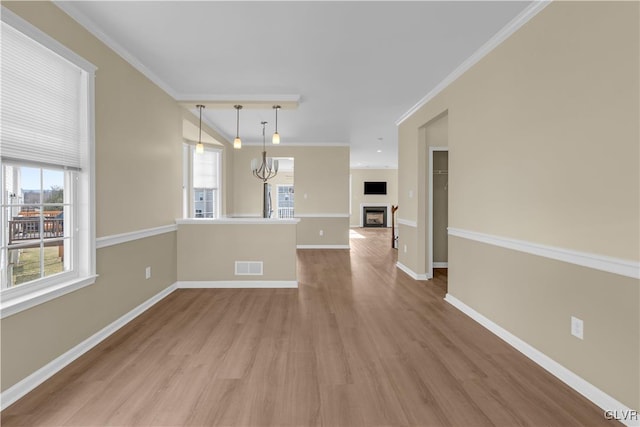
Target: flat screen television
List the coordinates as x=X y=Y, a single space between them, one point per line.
x=374 y=187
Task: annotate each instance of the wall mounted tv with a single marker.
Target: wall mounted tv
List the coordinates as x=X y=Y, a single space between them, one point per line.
x=373 y=187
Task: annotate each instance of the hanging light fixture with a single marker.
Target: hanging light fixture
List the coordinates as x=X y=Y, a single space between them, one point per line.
x=264 y=169
x=200 y=145
x=237 y=143
x=276 y=135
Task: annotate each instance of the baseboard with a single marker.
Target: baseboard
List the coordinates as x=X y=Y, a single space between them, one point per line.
x=236 y=284
x=323 y=247
x=18 y=390
x=411 y=273
x=588 y=390
x=441 y=265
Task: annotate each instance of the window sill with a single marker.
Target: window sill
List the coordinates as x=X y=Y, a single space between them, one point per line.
x=11 y=306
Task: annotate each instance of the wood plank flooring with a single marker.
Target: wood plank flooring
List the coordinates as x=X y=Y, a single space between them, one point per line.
x=358 y=344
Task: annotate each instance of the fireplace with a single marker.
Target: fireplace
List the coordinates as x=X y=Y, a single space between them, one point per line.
x=374 y=216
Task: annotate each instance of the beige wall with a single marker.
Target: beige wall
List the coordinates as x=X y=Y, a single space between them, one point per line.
x=543 y=147
x=534 y=298
x=208 y=252
x=434 y=133
x=138 y=186
x=138 y=131
x=34 y=337
x=358 y=177
x=321 y=173
x=212 y=137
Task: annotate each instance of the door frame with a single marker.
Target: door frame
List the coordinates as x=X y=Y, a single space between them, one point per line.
x=430 y=208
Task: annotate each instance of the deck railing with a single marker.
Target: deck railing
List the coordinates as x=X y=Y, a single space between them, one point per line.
x=285 y=213
x=21 y=229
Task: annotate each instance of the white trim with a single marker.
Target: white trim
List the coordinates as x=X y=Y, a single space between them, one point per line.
x=11 y=306
x=237 y=221
x=323 y=247
x=407 y=222
x=430 y=207
x=18 y=390
x=46 y=40
x=323 y=215
x=68 y=8
x=270 y=99
x=619 y=266
x=440 y=264
x=116 y=239
x=236 y=284
x=588 y=390
x=375 y=205
x=411 y=273
x=299 y=144
x=382 y=168
x=532 y=10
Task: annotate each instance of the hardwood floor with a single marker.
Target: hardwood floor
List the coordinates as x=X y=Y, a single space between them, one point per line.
x=358 y=344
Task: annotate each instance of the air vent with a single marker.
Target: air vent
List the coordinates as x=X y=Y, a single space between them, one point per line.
x=248 y=268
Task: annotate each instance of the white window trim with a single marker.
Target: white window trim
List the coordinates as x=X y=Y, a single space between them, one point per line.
x=16 y=301
x=278 y=186
x=187 y=177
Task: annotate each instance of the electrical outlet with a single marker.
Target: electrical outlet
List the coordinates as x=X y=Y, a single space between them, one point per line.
x=411 y=194
x=577 y=327
x=405 y=249
x=322 y=232
x=147 y=273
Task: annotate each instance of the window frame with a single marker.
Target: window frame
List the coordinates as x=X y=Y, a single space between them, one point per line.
x=278 y=187
x=83 y=273
x=188 y=195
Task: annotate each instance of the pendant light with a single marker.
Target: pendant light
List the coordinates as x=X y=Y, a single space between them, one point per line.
x=237 y=143
x=200 y=145
x=276 y=135
x=265 y=167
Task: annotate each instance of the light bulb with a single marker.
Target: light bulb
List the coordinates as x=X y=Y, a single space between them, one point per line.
x=200 y=148
x=237 y=143
x=276 y=138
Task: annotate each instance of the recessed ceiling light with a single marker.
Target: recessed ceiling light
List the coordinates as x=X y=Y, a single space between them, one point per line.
x=379 y=151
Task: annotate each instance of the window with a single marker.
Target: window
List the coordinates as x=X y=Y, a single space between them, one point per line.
x=202 y=183
x=47 y=244
x=285 y=201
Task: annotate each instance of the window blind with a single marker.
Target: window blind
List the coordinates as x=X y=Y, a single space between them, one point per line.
x=43 y=103
x=205 y=169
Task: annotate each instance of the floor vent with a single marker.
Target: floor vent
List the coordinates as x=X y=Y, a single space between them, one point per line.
x=248 y=268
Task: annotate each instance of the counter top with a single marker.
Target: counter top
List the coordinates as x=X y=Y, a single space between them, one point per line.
x=241 y=221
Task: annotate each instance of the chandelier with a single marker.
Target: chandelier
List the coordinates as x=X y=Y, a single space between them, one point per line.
x=265 y=168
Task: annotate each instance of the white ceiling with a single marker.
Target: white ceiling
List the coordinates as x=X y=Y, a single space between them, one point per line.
x=357 y=66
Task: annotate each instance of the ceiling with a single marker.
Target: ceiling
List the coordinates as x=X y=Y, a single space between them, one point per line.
x=356 y=66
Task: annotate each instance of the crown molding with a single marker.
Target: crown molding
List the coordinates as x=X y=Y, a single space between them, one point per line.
x=264 y=101
x=68 y=8
x=514 y=25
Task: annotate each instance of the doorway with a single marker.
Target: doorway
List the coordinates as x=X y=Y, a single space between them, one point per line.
x=438 y=209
